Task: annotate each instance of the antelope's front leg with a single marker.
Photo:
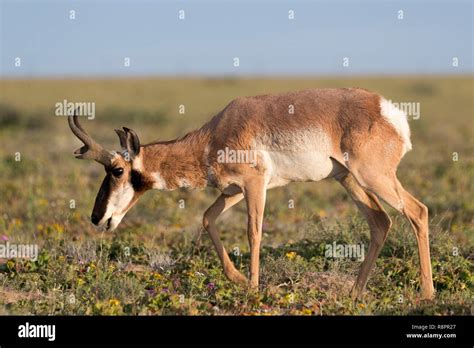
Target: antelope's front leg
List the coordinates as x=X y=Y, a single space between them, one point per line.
x=255 y=193
x=223 y=203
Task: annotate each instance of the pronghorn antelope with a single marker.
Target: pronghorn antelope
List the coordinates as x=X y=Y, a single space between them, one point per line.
x=352 y=135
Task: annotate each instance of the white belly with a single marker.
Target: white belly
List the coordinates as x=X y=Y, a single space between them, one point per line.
x=283 y=168
x=304 y=157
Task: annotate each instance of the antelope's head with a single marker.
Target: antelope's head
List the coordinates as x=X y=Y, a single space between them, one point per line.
x=117 y=193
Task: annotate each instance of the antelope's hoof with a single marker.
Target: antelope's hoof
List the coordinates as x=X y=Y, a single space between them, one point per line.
x=238 y=278
x=428 y=295
x=356 y=294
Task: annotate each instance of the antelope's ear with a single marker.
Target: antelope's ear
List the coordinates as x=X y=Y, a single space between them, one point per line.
x=132 y=141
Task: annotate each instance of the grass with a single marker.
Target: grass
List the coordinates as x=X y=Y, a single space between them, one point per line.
x=159 y=260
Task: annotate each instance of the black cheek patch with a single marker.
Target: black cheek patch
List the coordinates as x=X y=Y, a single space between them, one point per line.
x=139 y=182
x=102 y=199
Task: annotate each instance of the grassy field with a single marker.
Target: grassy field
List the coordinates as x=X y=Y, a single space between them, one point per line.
x=159 y=260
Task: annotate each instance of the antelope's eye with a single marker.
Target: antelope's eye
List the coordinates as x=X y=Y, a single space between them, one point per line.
x=117 y=172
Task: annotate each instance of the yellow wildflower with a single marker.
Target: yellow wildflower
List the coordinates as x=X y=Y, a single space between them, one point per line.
x=291 y=255
x=42 y=202
x=58 y=228
x=17 y=222
x=114 y=302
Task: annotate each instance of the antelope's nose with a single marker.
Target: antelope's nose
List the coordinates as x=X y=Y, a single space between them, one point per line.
x=95 y=219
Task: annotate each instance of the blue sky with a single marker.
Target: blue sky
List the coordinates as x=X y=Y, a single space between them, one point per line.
x=259 y=33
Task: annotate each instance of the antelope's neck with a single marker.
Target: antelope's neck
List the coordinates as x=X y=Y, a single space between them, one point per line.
x=176 y=164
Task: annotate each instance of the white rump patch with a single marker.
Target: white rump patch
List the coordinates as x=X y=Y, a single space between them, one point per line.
x=398 y=119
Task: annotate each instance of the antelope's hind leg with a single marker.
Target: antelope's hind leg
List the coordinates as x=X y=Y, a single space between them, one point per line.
x=389 y=189
x=379 y=224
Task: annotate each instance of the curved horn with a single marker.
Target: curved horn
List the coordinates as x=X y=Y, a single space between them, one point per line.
x=122 y=138
x=90 y=150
